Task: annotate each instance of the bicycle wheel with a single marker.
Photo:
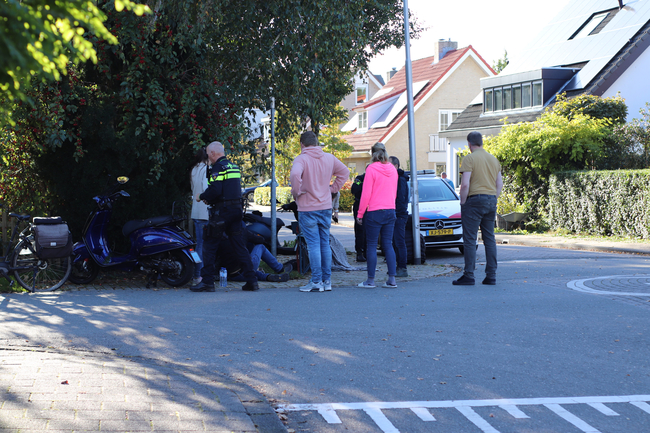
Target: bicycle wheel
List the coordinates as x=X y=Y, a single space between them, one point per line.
x=39 y=275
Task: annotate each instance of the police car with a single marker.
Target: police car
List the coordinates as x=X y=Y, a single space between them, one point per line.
x=439 y=208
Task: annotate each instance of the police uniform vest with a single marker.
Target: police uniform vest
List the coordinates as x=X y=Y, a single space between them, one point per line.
x=224 y=184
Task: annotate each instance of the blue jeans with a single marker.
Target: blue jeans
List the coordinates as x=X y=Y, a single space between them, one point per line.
x=259 y=253
x=315 y=227
x=199 y=225
x=399 y=239
x=479 y=211
x=380 y=222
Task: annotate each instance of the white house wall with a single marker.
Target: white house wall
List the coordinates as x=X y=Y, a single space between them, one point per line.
x=634 y=85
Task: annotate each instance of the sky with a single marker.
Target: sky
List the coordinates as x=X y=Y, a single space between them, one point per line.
x=491 y=27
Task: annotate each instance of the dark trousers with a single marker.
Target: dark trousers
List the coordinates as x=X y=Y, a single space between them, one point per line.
x=479 y=211
x=399 y=239
x=359 y=236
x=232 y=216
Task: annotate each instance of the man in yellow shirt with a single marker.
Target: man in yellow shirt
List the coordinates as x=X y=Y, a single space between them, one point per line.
x=480 y=187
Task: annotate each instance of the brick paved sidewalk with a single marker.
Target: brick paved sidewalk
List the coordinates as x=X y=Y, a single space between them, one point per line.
x=73 y=392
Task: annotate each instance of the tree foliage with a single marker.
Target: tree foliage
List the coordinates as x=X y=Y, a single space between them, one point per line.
x=634 y=139
x=141 y=111
x=612 y=108
x=304 y=53
x=43 y=36
x=180 y=78
x=530 y=152
x=500 y=64
x=574 y=134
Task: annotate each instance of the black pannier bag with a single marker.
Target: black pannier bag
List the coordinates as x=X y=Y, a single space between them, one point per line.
x=52 y=238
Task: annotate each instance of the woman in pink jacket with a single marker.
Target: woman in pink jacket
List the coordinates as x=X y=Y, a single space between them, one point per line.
x=377 y=213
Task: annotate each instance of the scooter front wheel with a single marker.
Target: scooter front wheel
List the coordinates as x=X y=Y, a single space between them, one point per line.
x=180 y=269
x=83 y=271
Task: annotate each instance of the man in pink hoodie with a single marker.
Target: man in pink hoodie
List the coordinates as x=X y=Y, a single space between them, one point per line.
x=310 y=178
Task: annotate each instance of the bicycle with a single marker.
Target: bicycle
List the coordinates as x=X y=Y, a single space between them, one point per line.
x=31 y=272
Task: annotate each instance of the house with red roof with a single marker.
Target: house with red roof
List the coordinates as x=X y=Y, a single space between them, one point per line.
x=443 y=85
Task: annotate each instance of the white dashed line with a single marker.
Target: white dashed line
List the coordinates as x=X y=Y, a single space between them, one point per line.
x=466 y=407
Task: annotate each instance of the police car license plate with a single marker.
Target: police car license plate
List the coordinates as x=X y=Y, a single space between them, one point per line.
x=195 y=257
x=440 y=232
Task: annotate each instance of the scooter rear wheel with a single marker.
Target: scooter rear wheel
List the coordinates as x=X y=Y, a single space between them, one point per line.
x=83 y=271
x=184 y=269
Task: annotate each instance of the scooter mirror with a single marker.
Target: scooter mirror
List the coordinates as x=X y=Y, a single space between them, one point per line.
x=122 y=180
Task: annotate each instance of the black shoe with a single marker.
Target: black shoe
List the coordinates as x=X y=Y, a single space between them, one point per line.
x=490 y=281
x=277 y=278
x=202 y=287
x=250 y=286
x=287 y=268
x=361 y=258
x=463 y=281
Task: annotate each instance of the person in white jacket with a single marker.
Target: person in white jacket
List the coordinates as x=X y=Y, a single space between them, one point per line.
x=199 y=181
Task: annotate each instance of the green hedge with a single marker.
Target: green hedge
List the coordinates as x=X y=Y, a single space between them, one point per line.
x=263 y=195
x=346 y=200
x=601 y=202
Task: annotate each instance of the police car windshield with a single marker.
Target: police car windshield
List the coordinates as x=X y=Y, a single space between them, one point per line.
x=434 y=190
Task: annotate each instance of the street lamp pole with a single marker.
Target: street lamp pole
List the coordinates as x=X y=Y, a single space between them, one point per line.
x=415 y=212
x=274 y=242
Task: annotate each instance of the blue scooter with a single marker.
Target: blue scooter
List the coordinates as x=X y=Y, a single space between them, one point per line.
x=158 y=246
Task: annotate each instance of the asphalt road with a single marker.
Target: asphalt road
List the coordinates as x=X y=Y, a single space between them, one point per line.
x=522 y=356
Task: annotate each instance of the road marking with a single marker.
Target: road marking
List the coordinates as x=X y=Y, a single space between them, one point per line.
x=579 y=285
x=603 y=409
x=423 y=413
x=476 y=419
x=641 y=405
x=465 y=407
x=562 y=412
x=514 y=411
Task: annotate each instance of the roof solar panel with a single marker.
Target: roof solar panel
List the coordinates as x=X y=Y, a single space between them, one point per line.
x=552 y=47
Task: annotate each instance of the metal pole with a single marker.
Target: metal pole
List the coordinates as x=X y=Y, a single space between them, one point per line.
x=415 y=212
x=274 y=242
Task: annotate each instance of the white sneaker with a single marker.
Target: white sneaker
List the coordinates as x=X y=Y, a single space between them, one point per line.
x=327 y=285
x=312 y=287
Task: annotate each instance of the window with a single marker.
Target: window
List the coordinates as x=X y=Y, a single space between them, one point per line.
x=440 y=168
x=488 y=101
x=516 y=96
x=594 y=24
x=447 y=117
x=537 y=93
x=525 y=95
x=507 y=98
x=522 y=95
x=363 y=120
x=498 y=101
x=362 y=94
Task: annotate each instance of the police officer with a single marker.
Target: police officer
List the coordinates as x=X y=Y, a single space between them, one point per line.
x=359 y=229
x=224 y=197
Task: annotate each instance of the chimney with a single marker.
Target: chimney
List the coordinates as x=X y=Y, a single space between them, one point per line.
x=442 y=47
x=390 y=74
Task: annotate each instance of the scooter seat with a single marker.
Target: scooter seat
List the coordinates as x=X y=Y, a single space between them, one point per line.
x=134 y=225
x=250 y=218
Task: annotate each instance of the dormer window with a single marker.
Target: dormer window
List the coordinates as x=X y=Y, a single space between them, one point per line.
x=513 y=97
x=363 y=120
x=362 y=94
